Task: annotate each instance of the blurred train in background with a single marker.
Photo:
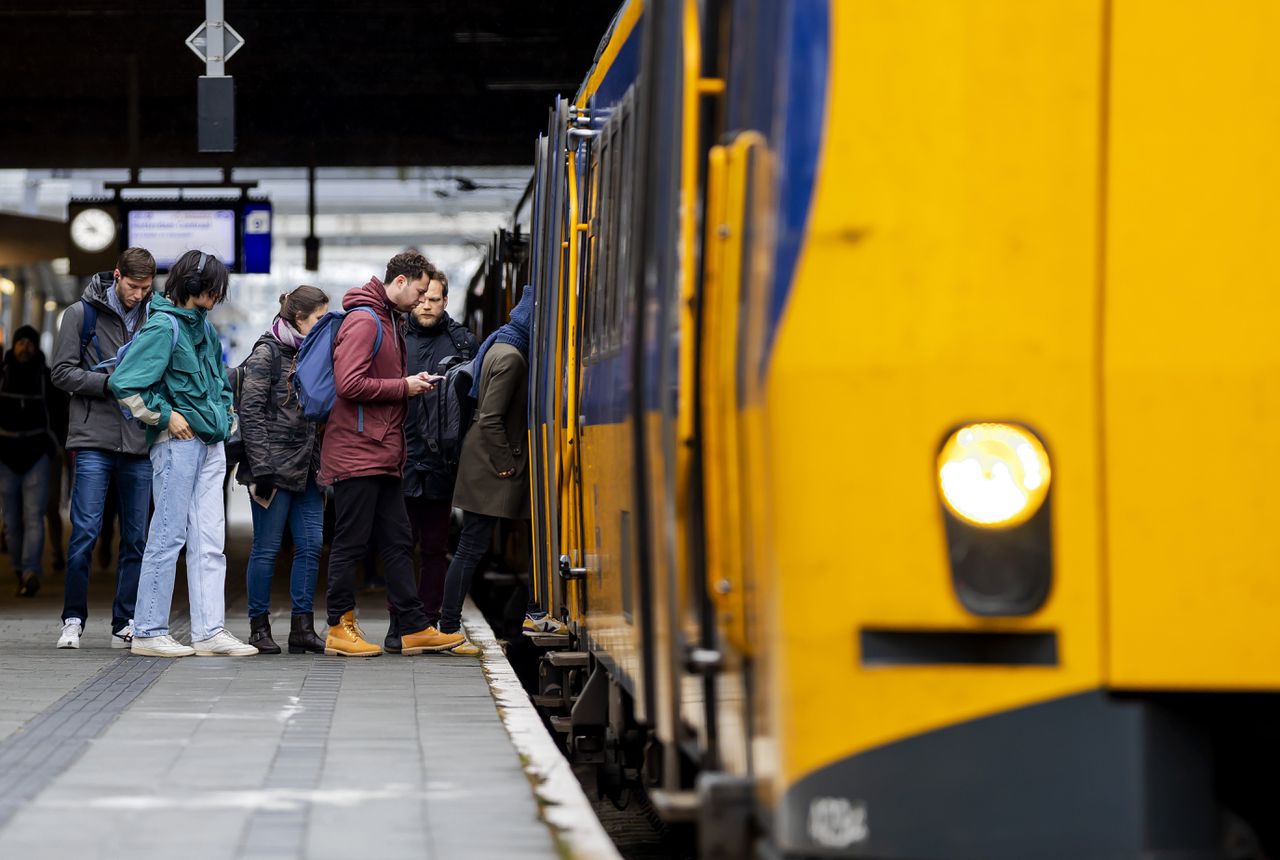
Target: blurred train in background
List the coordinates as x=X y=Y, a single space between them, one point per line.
x=903 y=382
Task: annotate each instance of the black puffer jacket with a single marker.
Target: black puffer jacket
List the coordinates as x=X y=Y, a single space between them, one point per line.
x=30 y=411
x=278 y=441
x=425 y=474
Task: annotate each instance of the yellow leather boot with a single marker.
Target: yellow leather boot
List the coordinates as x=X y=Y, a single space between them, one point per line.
x=429 y=639
x=345 y=639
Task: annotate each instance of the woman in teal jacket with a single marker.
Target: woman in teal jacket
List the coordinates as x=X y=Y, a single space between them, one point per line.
x=172 y=379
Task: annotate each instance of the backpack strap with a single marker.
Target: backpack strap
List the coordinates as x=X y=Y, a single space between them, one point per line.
x=89 y=330
x=277 y=362
x=377 y=321
x=377 y=345
x=173 y=322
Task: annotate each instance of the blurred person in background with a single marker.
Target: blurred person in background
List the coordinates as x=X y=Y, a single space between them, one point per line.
x=30 y=407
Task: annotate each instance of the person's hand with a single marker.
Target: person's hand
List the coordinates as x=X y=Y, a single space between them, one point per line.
x=262 y=487
x=179 y=428
x=418 y=384
x=507 y=474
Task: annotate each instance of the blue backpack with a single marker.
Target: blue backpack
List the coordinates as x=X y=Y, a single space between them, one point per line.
x=114 y=361
x=313 y=376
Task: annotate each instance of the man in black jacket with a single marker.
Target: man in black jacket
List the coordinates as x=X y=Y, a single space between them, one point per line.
x=107 y=445
x=430 y=337
x=30 y=410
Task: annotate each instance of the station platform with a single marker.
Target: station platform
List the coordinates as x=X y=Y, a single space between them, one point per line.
x=103 y=754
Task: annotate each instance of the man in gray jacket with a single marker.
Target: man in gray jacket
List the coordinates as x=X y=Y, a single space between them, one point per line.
x=106 y=445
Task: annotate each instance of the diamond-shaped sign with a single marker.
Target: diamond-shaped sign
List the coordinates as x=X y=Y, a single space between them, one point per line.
x=198 y=41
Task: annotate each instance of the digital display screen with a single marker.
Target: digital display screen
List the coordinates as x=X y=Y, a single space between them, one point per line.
x=170 y=233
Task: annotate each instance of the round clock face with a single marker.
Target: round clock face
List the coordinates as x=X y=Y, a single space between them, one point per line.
x=93 y=229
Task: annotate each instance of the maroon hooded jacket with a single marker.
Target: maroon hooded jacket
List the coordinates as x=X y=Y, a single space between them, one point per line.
x=365 y=433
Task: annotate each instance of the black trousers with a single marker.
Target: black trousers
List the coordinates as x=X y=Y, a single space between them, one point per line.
x=362 y=508
x=473 y=543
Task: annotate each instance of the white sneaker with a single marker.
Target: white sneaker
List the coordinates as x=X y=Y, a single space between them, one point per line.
x=223 y=644
x=160 y=646
x=71 y=630
x=544 y=624
x=124 y=637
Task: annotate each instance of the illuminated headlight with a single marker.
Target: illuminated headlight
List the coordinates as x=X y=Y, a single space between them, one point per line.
x=993 y=475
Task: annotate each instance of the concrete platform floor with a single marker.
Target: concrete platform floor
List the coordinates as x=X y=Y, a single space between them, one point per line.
x=103 y=754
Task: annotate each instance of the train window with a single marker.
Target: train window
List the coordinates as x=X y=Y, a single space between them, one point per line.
x=589 y=272
x=605 y=239
x=622 y=290
x=611 y=237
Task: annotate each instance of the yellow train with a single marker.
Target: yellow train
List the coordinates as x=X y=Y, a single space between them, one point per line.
x=904 y=377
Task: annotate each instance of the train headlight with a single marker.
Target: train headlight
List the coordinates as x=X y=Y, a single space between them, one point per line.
x=993 y=475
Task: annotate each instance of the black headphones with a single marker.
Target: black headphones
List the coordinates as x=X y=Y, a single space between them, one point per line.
x=193 y=279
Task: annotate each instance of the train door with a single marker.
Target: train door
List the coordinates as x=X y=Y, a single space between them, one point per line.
x=689 y=663
x=541 y=574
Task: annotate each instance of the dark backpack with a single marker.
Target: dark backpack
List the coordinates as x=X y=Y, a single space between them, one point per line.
x=236 y=455
x=447 y=411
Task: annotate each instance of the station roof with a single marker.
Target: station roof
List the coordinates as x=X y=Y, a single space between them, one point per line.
x=353 y=83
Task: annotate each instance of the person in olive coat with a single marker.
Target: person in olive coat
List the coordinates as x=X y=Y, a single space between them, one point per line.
x=493 y=470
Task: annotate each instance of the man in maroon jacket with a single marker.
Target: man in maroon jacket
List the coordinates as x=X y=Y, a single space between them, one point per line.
x=363 y=458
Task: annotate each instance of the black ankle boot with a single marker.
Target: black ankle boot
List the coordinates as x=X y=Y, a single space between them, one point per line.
x=260 y=634
x=392 y=643
x=302 y=635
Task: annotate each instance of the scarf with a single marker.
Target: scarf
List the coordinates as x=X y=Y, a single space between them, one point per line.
x=515 y=333
x=286 y=333
x=132 y=318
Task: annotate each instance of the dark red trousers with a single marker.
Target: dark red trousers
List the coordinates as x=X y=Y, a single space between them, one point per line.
x=430 y=521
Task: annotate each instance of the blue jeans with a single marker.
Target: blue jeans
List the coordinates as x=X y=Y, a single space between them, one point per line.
x=303 y=513
x=186 y=483
x=25 y=498
x=94 y=471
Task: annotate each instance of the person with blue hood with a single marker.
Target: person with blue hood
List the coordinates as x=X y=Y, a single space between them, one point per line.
x=493 y=469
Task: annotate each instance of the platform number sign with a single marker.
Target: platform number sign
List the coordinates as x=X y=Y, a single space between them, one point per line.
x=256 y=223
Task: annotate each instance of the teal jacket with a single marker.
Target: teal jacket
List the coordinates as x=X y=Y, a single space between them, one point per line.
x=153 y=381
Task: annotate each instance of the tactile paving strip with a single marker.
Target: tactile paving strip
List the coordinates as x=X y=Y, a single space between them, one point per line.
x=36 y=754
x=275 y=833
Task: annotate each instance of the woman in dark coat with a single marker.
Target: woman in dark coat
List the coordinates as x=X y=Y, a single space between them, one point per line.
x=282 y=449
x=30 y=409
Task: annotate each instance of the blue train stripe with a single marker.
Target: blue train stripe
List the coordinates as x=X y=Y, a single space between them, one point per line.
x=803 y=94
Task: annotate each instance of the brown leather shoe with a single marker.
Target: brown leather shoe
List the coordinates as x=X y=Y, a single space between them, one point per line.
x=345 y=639
x=430 y=639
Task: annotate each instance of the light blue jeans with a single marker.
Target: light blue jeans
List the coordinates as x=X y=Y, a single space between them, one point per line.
x=186 y=485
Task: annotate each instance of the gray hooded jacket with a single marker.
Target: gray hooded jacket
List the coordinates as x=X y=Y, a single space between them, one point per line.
x=96 y=420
